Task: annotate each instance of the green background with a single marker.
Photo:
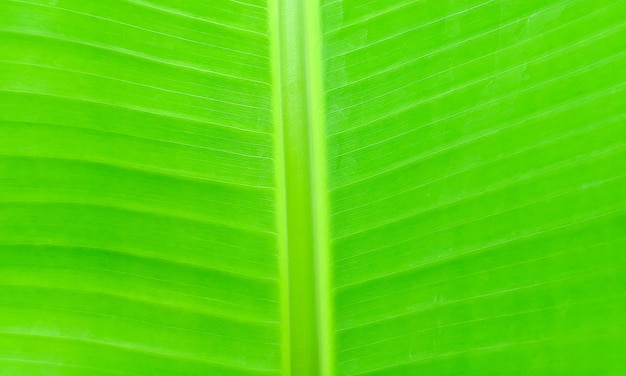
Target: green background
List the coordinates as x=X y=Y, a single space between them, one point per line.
x=343 y=187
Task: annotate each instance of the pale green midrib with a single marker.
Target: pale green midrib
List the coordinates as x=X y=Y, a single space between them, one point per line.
x=320 y=190
x=301 y=181
x=280 y=197
x=320 y=199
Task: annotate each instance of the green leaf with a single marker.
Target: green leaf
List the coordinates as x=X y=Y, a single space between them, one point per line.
x=333 y=187
x=477 y=171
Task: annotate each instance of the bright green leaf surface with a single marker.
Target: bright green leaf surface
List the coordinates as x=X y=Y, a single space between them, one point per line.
x=374 y=187
x=138 y=230
x=477 y=170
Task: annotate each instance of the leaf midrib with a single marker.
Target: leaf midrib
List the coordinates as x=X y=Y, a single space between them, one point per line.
x=301 y=181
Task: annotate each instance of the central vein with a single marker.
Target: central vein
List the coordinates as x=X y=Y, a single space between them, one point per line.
x=301 y=166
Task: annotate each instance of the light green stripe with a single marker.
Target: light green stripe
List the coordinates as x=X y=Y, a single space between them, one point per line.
x=298 y=107
x=320 y=201
x=281 y=194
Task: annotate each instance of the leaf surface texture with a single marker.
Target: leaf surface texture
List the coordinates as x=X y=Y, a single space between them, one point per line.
x=456 y=170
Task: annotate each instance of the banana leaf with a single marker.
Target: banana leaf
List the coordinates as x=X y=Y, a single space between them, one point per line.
x=304 y=187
